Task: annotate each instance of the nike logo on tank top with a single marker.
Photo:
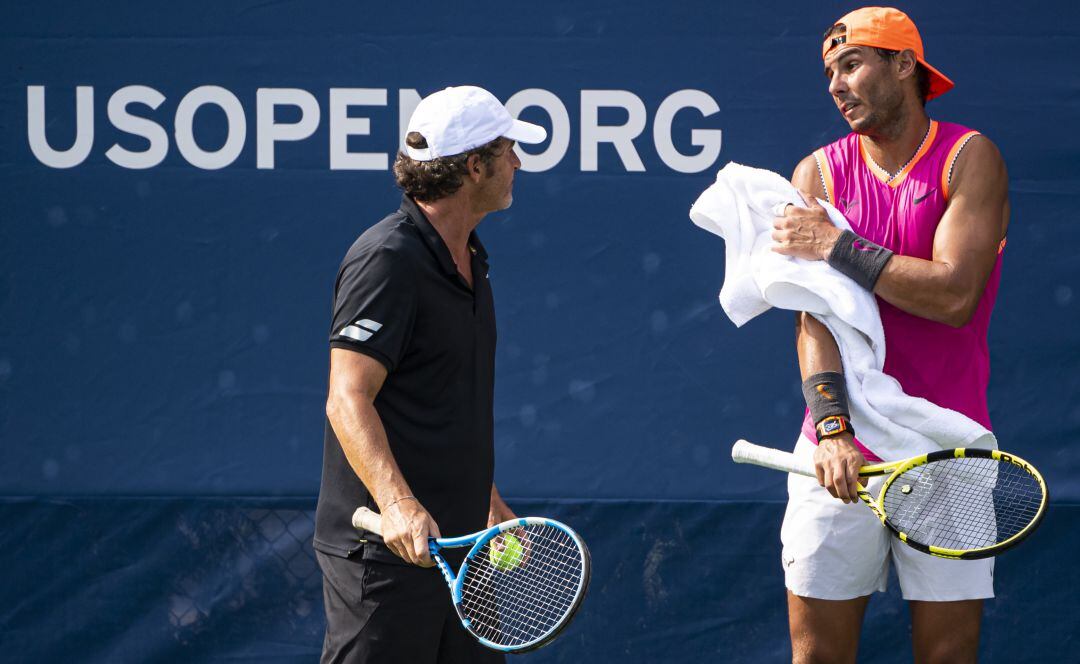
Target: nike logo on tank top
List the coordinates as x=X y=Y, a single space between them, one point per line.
x=947 y=366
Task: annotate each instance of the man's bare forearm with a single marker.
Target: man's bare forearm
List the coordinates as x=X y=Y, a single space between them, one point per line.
x=836 y=459
x=355 y=381
x=931 y=289
x=816 y=347
x=363 y=439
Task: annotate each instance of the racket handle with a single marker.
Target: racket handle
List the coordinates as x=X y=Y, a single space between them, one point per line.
x=365 y=519
x=746 y=452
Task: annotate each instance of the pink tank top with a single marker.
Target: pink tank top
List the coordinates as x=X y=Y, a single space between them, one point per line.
x=947 y=366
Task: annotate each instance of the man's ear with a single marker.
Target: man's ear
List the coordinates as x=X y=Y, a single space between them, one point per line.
x=475 y=167
x=906 y=63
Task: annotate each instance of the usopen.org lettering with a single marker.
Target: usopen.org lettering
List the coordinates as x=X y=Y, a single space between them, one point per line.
x=345 y=119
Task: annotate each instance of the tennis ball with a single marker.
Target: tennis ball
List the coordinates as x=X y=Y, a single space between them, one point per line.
x=510 y=556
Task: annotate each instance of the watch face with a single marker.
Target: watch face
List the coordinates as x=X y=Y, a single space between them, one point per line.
x=833 y=425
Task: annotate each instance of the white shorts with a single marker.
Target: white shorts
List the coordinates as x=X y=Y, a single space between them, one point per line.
x=837 y=551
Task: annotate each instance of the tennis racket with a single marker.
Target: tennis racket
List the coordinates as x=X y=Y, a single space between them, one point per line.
x=964 y=503
x=521 y=582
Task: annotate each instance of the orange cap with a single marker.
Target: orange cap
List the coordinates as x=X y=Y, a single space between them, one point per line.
x=888 y=28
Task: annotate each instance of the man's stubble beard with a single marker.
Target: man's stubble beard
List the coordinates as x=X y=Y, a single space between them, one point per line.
x=503 y=202
x=887 y=117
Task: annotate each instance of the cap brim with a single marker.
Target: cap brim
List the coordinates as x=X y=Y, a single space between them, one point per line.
x=939 y=83
x=526 y=132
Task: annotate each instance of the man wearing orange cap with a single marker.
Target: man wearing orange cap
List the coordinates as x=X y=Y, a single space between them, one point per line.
x=928 y=206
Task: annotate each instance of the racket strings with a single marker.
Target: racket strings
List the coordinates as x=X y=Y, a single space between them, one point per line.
x=527 y=598
x=504 y=615
x=963 y=503
x=496 y=614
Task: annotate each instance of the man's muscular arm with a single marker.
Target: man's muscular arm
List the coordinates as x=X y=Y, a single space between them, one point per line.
x=948 y=287
x=355 y=379
x=836 y=460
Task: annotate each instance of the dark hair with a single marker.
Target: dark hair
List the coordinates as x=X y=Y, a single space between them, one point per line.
x=922 y=76
x=429 y=181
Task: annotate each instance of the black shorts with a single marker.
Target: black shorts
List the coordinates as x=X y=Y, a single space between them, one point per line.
x=384 y=613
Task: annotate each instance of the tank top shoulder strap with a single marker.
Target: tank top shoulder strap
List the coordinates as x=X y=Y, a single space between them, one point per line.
x=958 y=139
x=832 y=160
x=825 y=173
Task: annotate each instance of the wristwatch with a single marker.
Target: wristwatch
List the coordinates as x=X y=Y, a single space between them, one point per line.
x=833 y=425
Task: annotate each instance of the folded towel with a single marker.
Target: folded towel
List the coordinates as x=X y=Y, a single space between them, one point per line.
x=740 y=207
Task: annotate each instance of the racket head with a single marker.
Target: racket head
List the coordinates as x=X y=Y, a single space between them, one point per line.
x=964 y=503
x=521 y=597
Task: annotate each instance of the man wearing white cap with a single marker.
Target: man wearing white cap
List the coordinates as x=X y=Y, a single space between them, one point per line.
x=409 y=426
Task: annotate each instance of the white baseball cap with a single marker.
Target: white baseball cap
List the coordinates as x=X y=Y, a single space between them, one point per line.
x=459 y=119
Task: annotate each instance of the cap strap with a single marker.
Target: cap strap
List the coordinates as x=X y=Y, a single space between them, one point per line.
x=419 y=154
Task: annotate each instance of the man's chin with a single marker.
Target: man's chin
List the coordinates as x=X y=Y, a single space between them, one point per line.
x=859 y=125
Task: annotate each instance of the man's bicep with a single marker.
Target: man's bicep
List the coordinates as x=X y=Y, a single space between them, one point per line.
x=970 y=232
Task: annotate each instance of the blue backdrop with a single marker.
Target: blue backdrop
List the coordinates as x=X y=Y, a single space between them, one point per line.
x=182 y=180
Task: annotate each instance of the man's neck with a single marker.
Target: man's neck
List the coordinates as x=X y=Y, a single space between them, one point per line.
x=894 y=146
x=454 y=219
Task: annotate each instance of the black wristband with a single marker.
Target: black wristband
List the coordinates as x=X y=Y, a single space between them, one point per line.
x=859 y=258
x=826 y=395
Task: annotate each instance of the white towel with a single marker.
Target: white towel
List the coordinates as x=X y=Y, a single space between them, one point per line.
x=740 y=208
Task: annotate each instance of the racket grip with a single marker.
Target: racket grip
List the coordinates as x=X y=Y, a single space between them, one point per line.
x=746 y=452
x=365 y=519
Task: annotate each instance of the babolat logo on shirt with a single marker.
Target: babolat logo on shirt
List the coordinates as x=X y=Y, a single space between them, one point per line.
x=361 y=330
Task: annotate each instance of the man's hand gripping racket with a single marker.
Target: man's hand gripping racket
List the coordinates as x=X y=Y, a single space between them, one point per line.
x=960 y=504
x=521 y=581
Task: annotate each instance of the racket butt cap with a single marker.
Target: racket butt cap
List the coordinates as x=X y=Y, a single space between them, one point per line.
x=740 y=451
x=365 y=519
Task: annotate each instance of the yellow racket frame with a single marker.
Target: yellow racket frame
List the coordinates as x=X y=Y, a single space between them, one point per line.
x=897 y=468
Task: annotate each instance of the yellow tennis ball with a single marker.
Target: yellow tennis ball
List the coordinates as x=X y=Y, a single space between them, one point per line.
x=510 y=555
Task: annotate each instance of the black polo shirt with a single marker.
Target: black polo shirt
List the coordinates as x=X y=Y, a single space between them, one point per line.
x=400 y=300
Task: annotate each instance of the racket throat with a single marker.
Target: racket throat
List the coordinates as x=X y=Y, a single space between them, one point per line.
x=867 y=498
x=448 y=574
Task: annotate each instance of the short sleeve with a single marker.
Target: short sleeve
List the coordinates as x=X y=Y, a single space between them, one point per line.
x=374 y=306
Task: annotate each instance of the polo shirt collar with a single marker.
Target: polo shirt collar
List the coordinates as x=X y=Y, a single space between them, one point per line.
x=435 y=241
